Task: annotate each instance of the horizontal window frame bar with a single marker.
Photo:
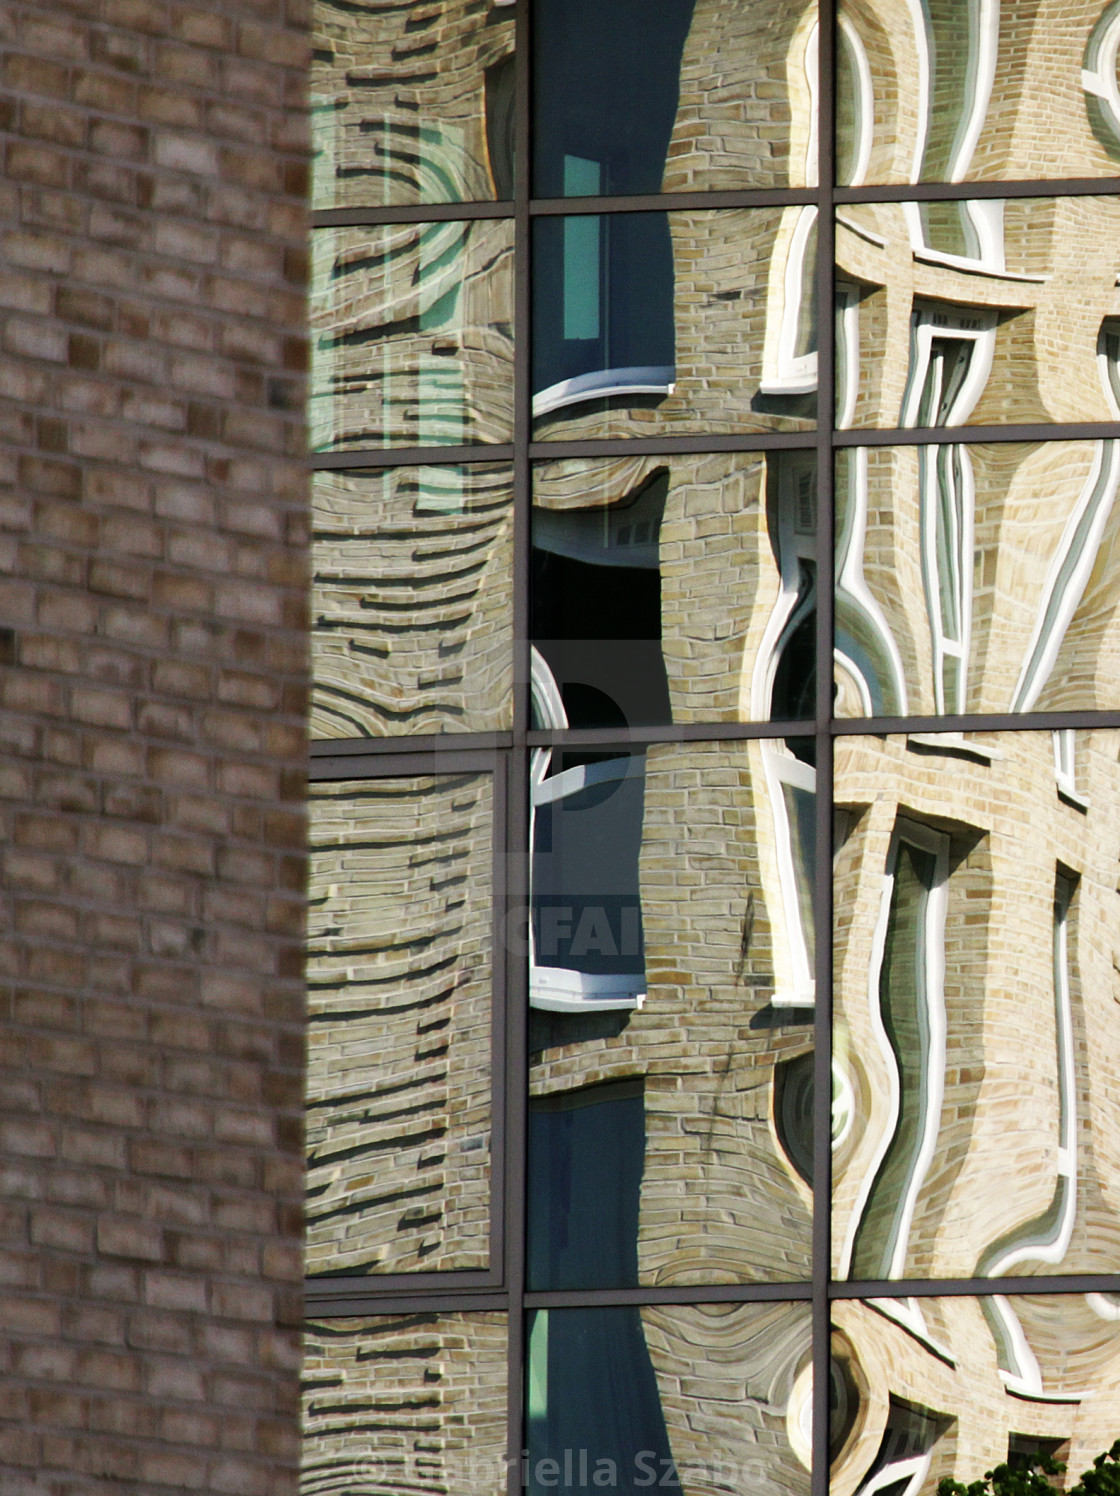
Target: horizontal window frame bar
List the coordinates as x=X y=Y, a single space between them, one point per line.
x=350 y=1297
x=932 y=1288
x=714 y=199
x=401 y=765
x=911 y=192
x=378 y=457
x=748 y=442
x=441 y=743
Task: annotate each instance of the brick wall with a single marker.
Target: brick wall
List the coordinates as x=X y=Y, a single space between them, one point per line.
x=152 y=606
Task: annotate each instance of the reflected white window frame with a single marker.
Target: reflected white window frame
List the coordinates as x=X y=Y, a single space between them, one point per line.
x=935 y=843
x=1069 y=573
x=796 y=986
x=796 y=535
x=560 y=989
x=1098 y=68
x=1019 y=1368
x=984 y=215
x=1065 y=766
x=954 y=502
x=851 y=586
x=605 y=384
x=784 y=371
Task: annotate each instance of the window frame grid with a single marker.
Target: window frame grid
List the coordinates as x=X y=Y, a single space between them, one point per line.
x=508 y=752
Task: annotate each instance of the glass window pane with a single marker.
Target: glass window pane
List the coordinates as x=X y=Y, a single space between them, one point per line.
x=977 y=578
x=951 y=1388
x=411 y=601
x=673 y=96
x=411 y=103
x=411 y=335
x=681 y=1398
x=974 y=1005
x=405 y=1402
x=399 y=952
x=678 y=588
x=972 y=90
x=674 y=322
x=1011 y=305
x=671 y=988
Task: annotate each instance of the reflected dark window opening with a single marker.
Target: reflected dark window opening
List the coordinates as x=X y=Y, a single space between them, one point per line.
x=791 y=504
x=586 y=1158
x=602 y=307
x=905 y=1453
x=909 y=1026
x=593 y=1405
x=793 y=1111
x=587 y=948
x=606 y=82
x=595 y=599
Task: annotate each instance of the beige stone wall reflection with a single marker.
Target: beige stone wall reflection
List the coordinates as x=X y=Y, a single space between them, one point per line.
x=412 y=601
x=728 y=1375
x=720 y=1200
x=1034 y=115
x=405 y=1402
x=932 y=1402
x=988 y=1193
x=411 y=335
x=398 y=98
x=399 y=975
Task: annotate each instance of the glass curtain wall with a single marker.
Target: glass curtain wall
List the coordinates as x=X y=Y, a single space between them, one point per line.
x=714 y=1021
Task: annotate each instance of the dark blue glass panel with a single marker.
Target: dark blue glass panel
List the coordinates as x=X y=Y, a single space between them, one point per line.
x=606 y=79
x=586 y=1157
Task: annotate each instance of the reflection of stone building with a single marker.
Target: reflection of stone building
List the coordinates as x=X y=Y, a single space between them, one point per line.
x=673 y=978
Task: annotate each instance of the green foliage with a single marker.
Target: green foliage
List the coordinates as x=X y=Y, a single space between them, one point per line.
x=1023 y=1480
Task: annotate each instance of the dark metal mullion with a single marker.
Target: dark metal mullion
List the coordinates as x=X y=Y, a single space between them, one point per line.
x=982 y=722
x=935 y=436
x=927 y=1288
x=360 y=218
x=681 y=732
x=517 y=886
x=386 y=457
x=822 y=872
x=703 y=1293
x=910 y=192
x=667 y=202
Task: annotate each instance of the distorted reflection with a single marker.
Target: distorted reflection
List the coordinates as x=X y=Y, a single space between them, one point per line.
x=412 y=337
x=972 y=90
x=671 y=991
x=687 y=321
x=678 y=589
x=681 y=1398
x=935 y=1402
x=974 y=1010
x=988 y=583
x=405 y=1402
x=411 y=103
x=412 y=600
x=399 y=982
x=1016 y=327
x=643 y=108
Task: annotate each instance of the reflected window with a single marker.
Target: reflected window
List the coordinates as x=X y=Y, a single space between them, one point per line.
x=957 y=47
x=1044 y=1238
x=596 y=608
x=908 y=1022
x=870 y=677
x=790 y=355
x=587 y=950
x=950 y=359
x=1099 y=78
x=605 y=87
x=906 y=1451
x=602 y=305
x=855 y=106
x=1069 y=573
x=586 y=1157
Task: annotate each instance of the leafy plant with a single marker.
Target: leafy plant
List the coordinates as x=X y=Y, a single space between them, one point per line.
x=1103 y=1479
